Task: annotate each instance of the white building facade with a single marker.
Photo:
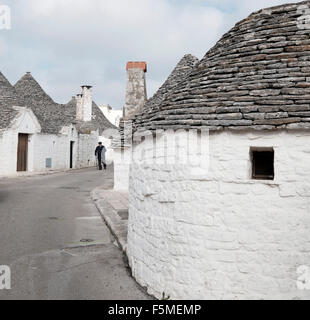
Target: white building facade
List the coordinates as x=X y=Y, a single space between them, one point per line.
x=113 y=115
x=211 y=231
x=47 y=136
x=235 y=224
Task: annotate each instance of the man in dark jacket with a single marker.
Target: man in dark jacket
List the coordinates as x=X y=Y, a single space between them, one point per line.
x=100 y=154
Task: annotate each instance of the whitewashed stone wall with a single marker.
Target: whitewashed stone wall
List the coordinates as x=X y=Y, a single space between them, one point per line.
x=25 y=122
x=121 y=160
x=113 y=115
x=42 y=146
x=222 y=235
x=55 y=147
x=109 y=155
x=86 y=152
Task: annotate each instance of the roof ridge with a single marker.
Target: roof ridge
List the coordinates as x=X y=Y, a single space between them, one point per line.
x=27 y=86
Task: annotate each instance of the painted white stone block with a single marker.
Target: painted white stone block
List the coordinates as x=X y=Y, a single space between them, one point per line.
x=222 y=235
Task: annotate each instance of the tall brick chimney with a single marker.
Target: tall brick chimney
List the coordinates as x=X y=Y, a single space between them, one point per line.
x=84 y=104
x=136 y=88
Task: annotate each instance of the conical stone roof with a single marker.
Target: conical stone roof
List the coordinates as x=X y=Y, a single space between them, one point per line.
x=179 y=73
x=53 y=116
x=31 y=92
x=46 y=110
x=151 y=107
x=257 y=76
x=8 y=93
x=8 y=99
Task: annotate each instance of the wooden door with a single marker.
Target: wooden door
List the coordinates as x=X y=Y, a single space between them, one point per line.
x=22 y=152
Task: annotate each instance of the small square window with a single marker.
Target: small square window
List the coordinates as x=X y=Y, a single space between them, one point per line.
x=262 y=163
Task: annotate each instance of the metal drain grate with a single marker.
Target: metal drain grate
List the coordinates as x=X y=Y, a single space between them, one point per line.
x=87 y=240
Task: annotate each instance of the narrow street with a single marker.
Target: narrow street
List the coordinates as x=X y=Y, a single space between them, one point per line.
x=55 y=242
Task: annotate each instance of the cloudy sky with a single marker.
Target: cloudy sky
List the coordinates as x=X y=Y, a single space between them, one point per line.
x=67 y=43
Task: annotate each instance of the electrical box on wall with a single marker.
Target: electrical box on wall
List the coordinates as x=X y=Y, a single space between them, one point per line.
x=48 y=163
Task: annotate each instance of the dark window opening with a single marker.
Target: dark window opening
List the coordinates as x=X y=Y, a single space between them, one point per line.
x=262 y=163
x=71 y=154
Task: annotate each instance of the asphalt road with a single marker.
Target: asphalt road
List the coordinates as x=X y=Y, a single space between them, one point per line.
x=55 y=242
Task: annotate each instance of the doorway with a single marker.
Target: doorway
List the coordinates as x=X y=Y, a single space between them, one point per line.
x=71 y=154
x=22 y=152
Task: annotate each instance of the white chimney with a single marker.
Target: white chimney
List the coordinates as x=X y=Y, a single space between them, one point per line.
x=84 y=104
x=79 y=110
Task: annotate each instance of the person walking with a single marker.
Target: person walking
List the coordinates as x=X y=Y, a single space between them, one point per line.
x=100 y=154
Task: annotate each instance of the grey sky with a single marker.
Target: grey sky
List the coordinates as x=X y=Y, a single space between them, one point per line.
x=67 y=43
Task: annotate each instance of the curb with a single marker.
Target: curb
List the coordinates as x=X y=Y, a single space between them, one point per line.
x=116 y=225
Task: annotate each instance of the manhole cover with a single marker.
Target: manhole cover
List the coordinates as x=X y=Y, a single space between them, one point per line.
x=69 y=188
x=86 y=240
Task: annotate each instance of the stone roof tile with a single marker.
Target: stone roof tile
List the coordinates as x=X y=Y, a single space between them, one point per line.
x=51 y=115
x=256 y=76
x=150 y=108
x=8 y=99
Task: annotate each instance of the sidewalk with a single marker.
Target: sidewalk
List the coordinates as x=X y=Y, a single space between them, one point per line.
x=28 y=174
x=113 y=207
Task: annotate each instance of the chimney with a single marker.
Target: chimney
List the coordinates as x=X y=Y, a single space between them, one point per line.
x=135 y=89
x=84 y=104
x=79 y=111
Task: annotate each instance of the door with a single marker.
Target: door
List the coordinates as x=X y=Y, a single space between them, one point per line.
x=22 y=152
x=71 y=154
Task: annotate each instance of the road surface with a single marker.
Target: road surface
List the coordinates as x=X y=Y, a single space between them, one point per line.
x=55 y=242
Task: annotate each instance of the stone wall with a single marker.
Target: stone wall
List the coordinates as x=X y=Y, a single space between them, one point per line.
x=220 y=234
x=48 y=146
x=25 y=122
x=121 y=169
x=54 y=147
x=86 y=150
x=113 y=115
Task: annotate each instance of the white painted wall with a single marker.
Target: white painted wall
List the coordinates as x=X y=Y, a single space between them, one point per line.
x=57 y=147
x=42 y=146
x=113 y=115
x=25 y=122
x=221 y=235
x=87 y=146
x=121 y=169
